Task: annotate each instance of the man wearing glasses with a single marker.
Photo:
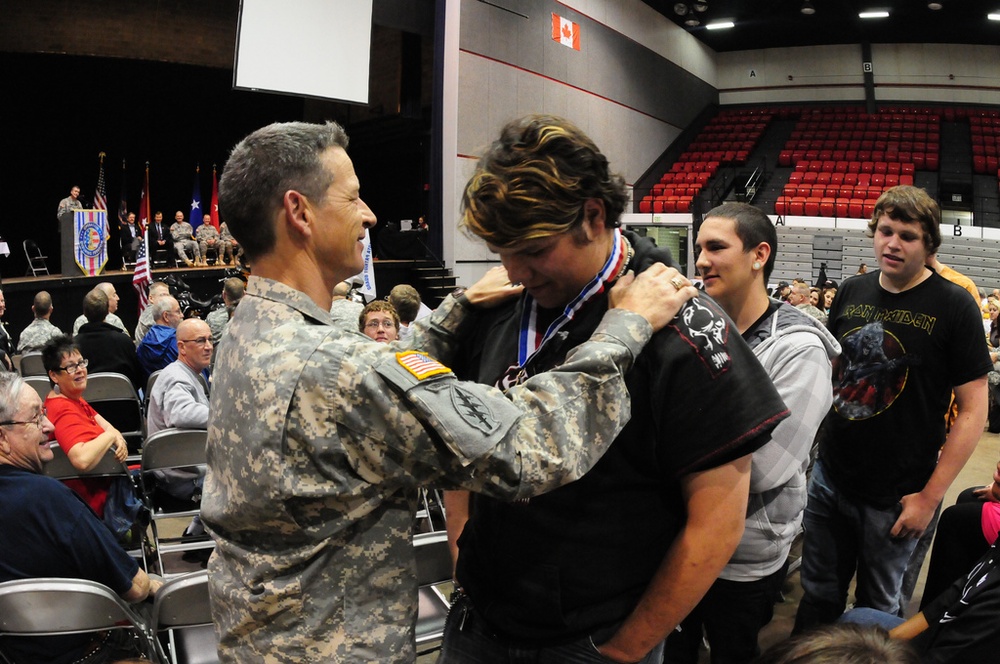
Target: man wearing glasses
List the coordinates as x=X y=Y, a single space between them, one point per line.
x=179 y=400
x=49 y=531
x=379 y=321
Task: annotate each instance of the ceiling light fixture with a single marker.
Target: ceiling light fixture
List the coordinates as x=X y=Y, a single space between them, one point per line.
x=934 y=6
x=720 y=25
x=875 y=14
x=700 y=5
x=993 y=17
x=680 y=9
x=807 y=8
x=692 y=22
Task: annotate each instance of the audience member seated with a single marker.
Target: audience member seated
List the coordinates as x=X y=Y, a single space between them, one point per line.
x=207 y=236
x=112 y=319
x=40 y=330
x=232 y=292
x=843 y=643
x=179 y=400
x=157 y=289
x=231 y=248
x=965 y=532
x=344 y=309
x=48 y=531
x=184 y=243
x=104 y=346
x=406 y=301
x=957 y=626
x=379 y=321
x=81 y=432
x=159 y=347
x=6 y=344
x=737 y=250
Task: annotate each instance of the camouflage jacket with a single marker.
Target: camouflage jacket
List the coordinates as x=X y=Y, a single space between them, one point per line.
x=36 y=334
x=181 y=232
x=225 y=234
x=206 y=232
x=319 y=440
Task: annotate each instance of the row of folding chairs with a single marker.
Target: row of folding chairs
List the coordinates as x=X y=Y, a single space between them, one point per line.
x=178 y=629
x=165 y=450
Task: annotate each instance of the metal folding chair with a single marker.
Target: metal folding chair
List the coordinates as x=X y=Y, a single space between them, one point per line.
x=166 y=450
x=113 y=397
x=182 y=618
x=52 y=606
x=434 y=567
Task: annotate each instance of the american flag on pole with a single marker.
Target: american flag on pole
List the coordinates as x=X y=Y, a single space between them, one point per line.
x=142 y=277
x=101 y=193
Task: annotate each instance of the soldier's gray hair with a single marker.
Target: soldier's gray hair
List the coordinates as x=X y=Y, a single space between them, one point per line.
x=10 y=393
x=263 y=166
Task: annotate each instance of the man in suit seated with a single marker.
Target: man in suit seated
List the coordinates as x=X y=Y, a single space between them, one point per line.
x=130 y=238
x=49 y=531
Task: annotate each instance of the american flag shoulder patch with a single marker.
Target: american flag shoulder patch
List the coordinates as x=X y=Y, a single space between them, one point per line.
x=421 y=365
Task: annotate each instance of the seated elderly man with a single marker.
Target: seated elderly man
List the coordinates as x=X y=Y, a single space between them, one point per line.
x=207 y=236
x=104 y=345
x=49 y=531
x=159 y=347
x=179 y=400
x=40 y=330
x=184 y=243
x=111 y=319
x=379 y=321
x=157 y=289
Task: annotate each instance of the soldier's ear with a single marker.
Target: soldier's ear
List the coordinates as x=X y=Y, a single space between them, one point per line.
x=298 y=212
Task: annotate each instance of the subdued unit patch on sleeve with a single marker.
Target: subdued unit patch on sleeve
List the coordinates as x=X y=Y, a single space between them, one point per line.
x=468 y=421
x=421 y=365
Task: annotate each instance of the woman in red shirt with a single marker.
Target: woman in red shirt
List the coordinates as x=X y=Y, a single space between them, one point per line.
x=82 y=434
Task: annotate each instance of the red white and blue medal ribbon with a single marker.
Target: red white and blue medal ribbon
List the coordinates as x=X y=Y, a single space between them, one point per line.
x=531 y=340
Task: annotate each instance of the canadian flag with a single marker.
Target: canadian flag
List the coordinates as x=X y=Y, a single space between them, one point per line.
x=566 y=32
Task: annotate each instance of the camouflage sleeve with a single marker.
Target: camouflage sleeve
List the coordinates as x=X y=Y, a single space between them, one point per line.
x=437 y=334
x=544 y=433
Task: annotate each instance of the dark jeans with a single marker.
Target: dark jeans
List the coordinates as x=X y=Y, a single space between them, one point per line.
x=469 y=640
x=843 y=537
x=732 y=613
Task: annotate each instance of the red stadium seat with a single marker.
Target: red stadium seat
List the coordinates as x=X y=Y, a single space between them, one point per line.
x=812 y=207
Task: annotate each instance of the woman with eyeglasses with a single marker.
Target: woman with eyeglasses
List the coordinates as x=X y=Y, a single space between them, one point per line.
x=82 y=434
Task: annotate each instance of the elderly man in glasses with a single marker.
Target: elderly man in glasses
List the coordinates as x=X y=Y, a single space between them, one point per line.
x=49 y=531
x=179 y=400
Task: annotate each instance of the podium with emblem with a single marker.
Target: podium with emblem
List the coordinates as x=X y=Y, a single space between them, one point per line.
x=84 y=242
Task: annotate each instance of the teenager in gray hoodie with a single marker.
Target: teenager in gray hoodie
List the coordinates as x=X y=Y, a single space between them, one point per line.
x=737 y=246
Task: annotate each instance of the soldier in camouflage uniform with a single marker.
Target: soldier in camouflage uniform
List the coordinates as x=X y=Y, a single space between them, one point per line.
x=183 y=237
x=40 y=330
x=207 y=236
x=320 y=437
x=230 y=246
